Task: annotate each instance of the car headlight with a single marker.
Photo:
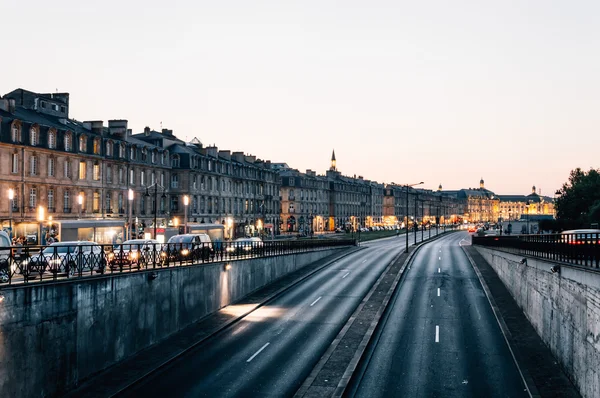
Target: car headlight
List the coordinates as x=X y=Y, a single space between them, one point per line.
x=163 y=254
x=55 y=261
x=247 y=248
x=185 y=252
x=133 y=255
x=230 y=249
x=111 y=256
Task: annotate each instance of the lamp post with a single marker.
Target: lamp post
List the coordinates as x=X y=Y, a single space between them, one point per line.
x=130 y=197
x=11 y=198
x=80 y=201
x=527 y=207
x=186 y=202
x=408 y=186
x=156 y=186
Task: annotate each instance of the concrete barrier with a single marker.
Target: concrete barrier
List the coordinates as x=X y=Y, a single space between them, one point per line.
x=53 y=335
x=564 y=309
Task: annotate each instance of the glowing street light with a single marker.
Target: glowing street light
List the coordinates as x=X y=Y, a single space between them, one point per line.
x=80 y=201
x=186 y=202
x=11 y=198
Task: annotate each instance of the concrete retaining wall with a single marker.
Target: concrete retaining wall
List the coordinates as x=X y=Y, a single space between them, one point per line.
x=53 y=335
x=563 y=308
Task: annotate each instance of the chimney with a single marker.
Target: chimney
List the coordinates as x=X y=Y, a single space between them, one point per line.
x=7 y=105
x=250 y=158
x=238 y=156
x=117 y=127
x=167 y=132
x=129 y=132
x=225 y=155
x=146 y=131
x=95 y=126
x=212 y=151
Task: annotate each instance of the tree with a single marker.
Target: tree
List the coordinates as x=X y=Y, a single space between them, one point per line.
x=578 y=201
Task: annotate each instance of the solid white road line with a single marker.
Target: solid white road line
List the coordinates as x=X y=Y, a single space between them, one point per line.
x=315 y=302
x=257 y=352
x=438 y=292
x=346 y=275
x=437 y=334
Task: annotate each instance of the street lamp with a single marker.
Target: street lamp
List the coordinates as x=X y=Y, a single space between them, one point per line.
x=11 y=198
x=80 y=201
x=130 y=197
x=408 y=186
x=163 y=196
x=186 y=202
x=40 y=218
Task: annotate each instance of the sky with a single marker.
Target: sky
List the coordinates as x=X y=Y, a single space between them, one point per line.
x=444 y=92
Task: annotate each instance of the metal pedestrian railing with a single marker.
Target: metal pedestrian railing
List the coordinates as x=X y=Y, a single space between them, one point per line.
x=581 y=249
x=30 y=264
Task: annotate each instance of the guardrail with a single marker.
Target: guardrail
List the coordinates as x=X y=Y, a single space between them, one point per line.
x=581 y=249
x=28 y=264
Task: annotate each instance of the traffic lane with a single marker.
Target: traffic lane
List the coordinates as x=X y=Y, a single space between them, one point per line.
x=432 y=345
x=273 y=349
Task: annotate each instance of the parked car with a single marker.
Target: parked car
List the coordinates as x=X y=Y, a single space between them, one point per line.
x=188 y=247
x=68 y=257
x=135 y=252
x=5 y=257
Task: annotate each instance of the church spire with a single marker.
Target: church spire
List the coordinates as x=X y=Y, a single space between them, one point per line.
x=333 y=162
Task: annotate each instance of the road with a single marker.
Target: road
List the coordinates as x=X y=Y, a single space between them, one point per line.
x=439 y=338
x=271 y=351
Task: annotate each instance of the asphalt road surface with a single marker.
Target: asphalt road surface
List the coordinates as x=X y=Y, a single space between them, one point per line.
x=439 y=338
x=271 y=351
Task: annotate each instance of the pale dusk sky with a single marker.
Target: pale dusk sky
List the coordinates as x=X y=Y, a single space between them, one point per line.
x=436 y=91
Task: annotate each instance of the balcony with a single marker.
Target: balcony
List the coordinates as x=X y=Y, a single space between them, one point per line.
x=67 y=210
x=121 y=211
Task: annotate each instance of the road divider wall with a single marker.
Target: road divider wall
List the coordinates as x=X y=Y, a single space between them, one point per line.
x=563 y=305
x=54 y=335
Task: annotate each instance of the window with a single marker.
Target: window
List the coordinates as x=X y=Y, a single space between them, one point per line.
x=108 y=202
x=174 y=181
x=153 y=157
x=163 y=159
x=175 y=161
x=174 y=203
x=63 y=109
x=109 y=148
x=142 y=178
x=109 y=173
x=120 y=202
x=96 y=146
x=43 y=104
x=96 y=172
x=16 y=133
x=32 y=198
x=162 y=179
x=66 y=202
x=33 y=136
x=51 y=167
x=68 y=142
x=144 y=155
x=152 y=178
x=52 y=139
x=82 y=170
x=33 y=165
x=132 y=153
x=96 y=202
x=50 y=199
x=15 y=163
x=68 y=168
x=82 y=143
x=122 y=150
x=194 y=181
x=132 y=177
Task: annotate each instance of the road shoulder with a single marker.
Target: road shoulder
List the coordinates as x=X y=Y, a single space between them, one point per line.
x=541 y=371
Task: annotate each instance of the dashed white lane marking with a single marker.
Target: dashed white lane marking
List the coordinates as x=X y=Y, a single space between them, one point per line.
x=364 y=261
x=439 y=258
x=439 y=270
x=257 y=352
x=437 y=334
x=438 y=292
x=346 y=275
x=240 y=330
x=315 y=302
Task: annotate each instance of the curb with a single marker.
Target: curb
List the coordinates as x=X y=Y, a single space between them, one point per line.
x=525 y=376
x=230 y=322
x=346 y=377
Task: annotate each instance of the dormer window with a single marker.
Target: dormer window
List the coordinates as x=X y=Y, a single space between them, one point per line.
x=82 y=143
x=68 y=142
x=132 y=153
x=122 y=150
x=16 y=133
x=144 y=155
x=175 y=161
x=52 y=139
x=33 y=136
x=96 y=146
x=109 y=148
x=153 y=157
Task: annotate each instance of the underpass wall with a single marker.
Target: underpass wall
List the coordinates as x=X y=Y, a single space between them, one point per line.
x=564 y=309
x=54 y=335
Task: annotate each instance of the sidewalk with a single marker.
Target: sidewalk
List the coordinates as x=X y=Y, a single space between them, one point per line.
x=534 y=358
x=118 y=377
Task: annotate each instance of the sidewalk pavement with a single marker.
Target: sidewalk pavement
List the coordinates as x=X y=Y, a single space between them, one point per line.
x=535 y=359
